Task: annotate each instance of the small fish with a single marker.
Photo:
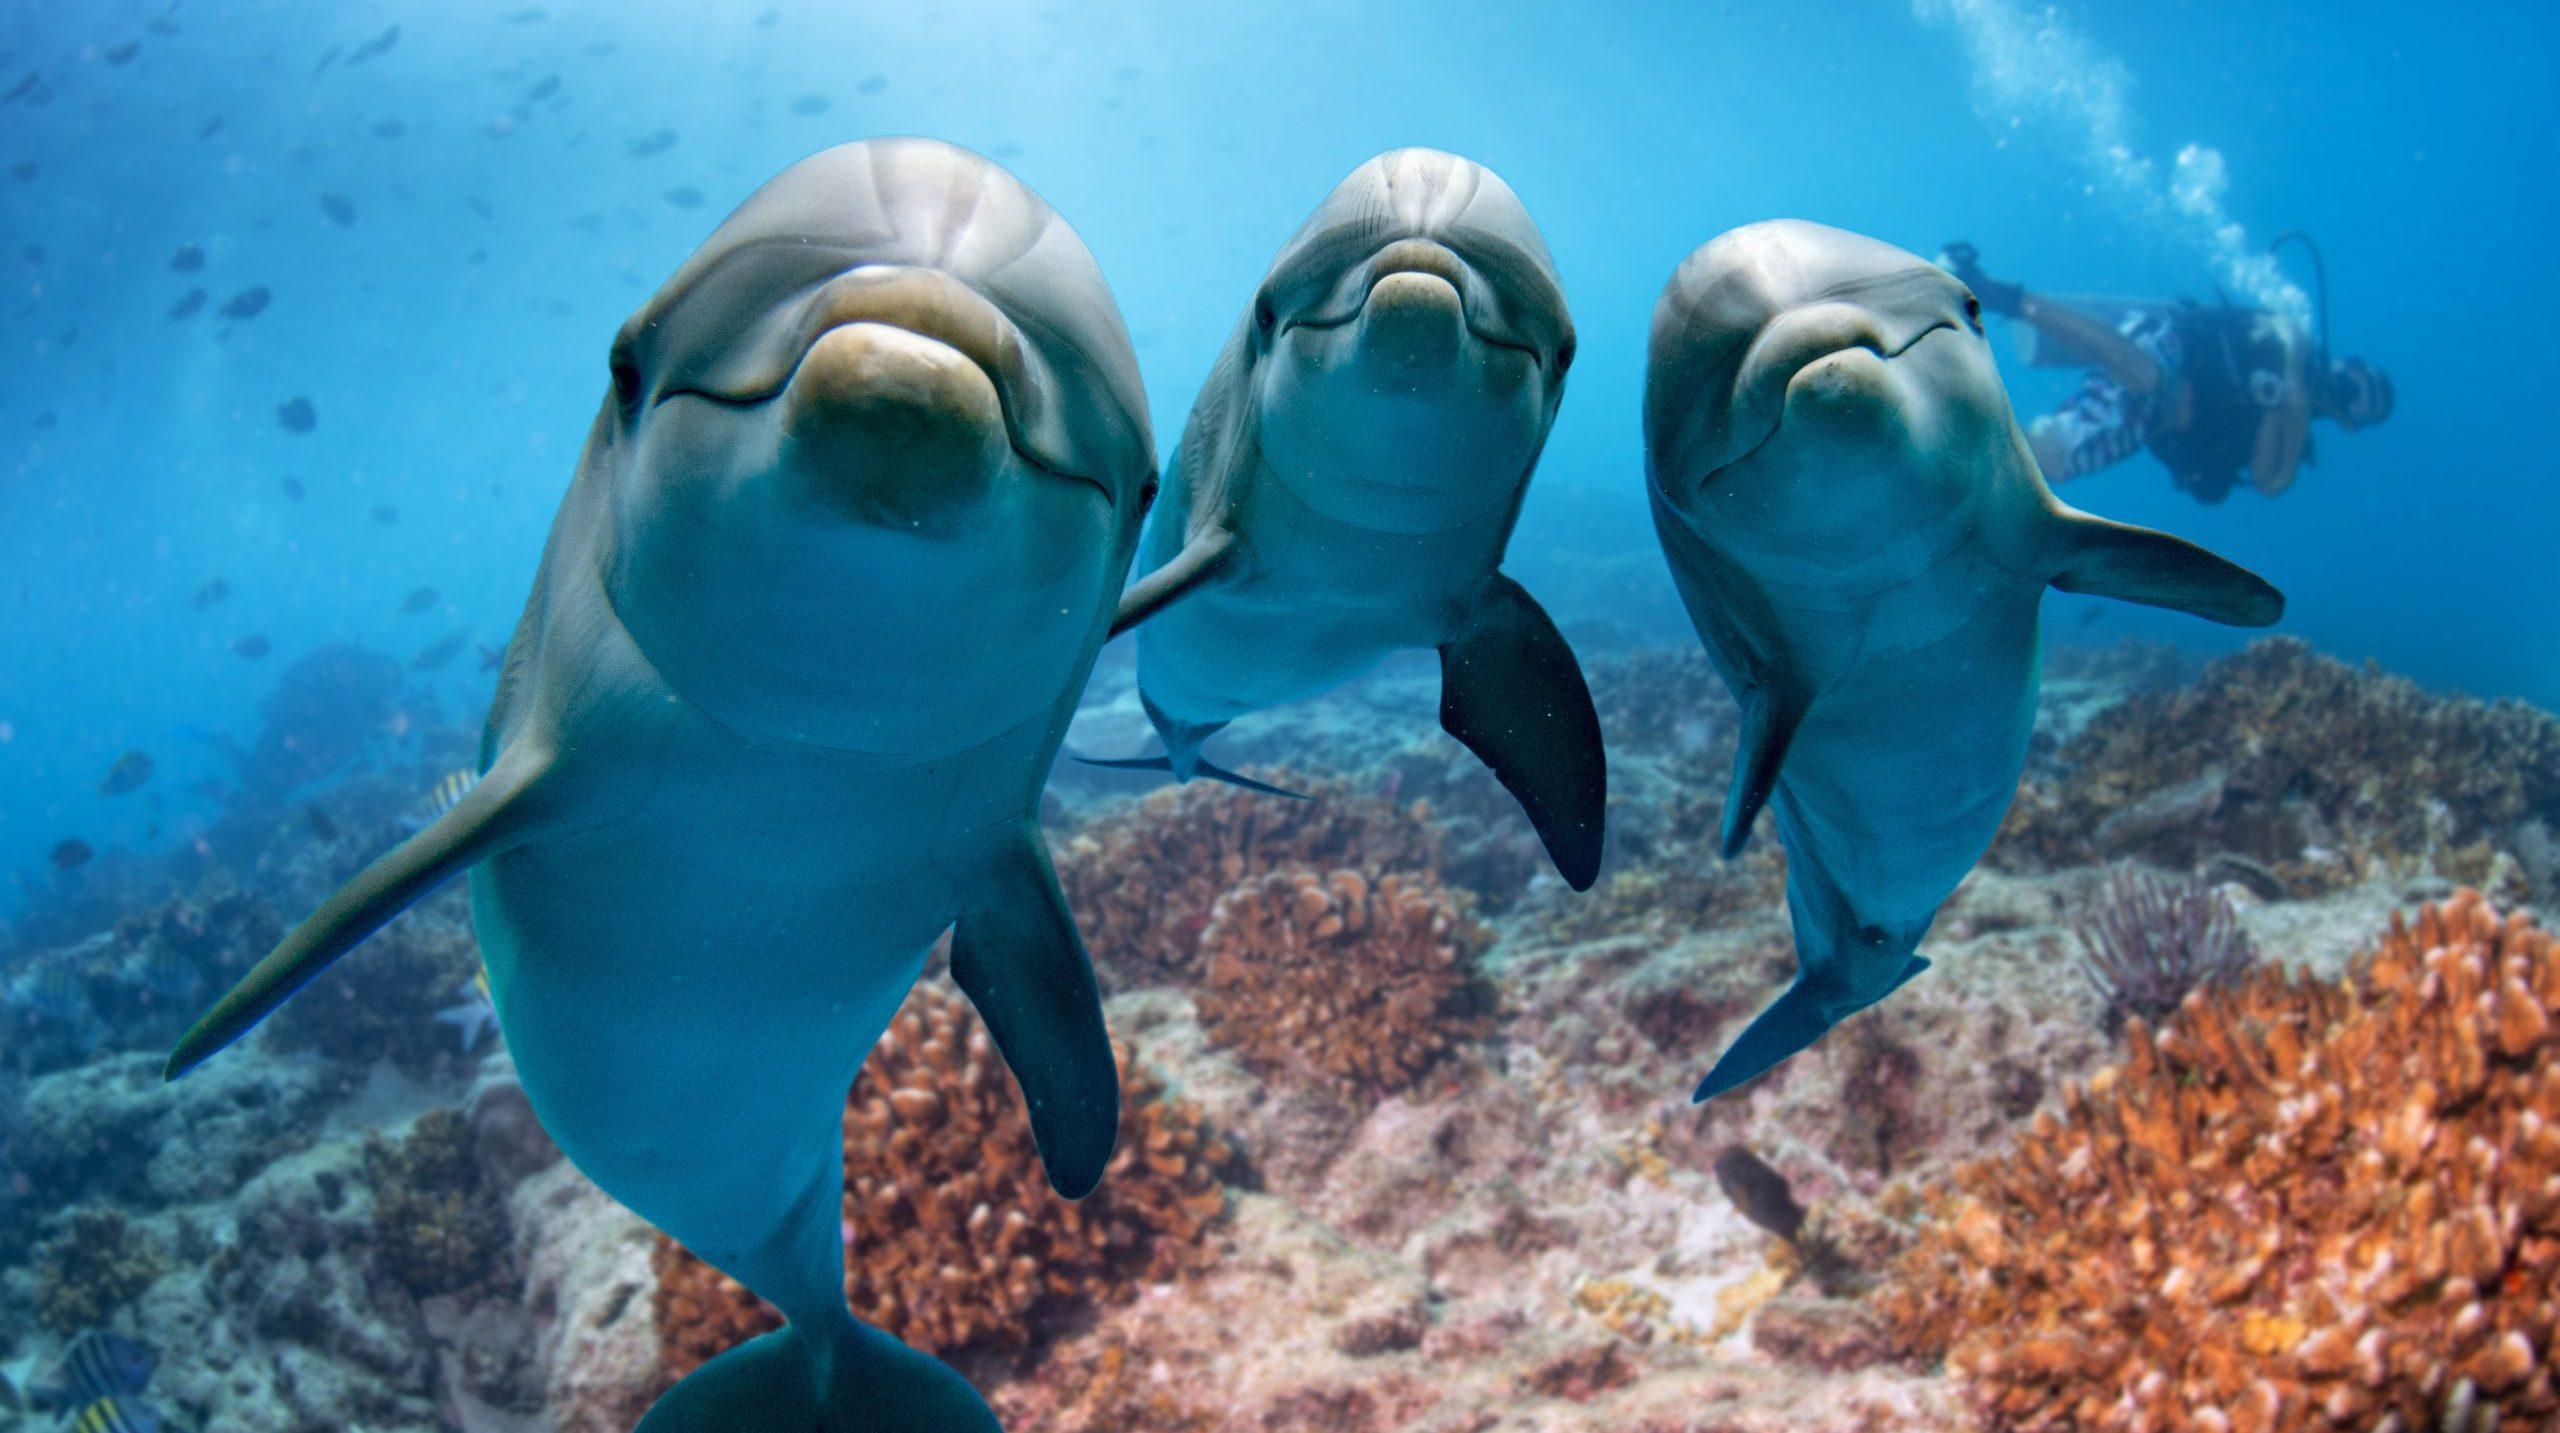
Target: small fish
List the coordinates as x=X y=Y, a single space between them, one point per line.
x=684 y=196
x=809 y=104
x=55 y=993
x=22 y=171
x=293 y=489
x=379 y=44
x=2091 y=613
x=297 y=415
x=253 y=647
x=327 y=60
x=188 y=259
x=649 y=145
x=491 y=659
x=418 y=601
x=340 y=209
x=188 y=306
x=127 y=776
x=1761 y=1193
x=211 y=128
x=212 y=594
x=124 y=53
x=476 y=1016
x=322 y=825
x=389 y=129
x=70 y=854
x=117 y=1415
x=166 y=971
x=35 y=252
x=765 y=20
x=449 y=790
x=23 y=88
x=529 y=15
x=550 y=86
x=386 y=514
x=872 y=84
x=436 y=654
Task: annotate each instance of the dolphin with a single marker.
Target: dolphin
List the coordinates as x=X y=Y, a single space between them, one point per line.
x=1862 y=540
x=1349 y=478
x=837 y=559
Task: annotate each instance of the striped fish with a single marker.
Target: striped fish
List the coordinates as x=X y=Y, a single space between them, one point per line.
x=117 y=1415
x=449 y=792
x=101 y=1367
x=53 y=992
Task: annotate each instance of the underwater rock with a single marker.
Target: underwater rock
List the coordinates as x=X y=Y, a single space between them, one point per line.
x=510 y=1143
x=1360 y=979
x=436 y=1226
x=586 y=1261
x=2342 y=1202
x=954 y=1238
x=114 y=1130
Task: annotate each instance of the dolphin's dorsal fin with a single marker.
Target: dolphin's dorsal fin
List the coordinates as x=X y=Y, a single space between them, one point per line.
x=1016 y=955
x=1770 y=717
x=1199 y=560
x=2138 y=564
x=488 y=819
x=1512 y=692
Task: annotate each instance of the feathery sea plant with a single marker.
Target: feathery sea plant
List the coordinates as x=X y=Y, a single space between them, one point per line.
x=2148 y=940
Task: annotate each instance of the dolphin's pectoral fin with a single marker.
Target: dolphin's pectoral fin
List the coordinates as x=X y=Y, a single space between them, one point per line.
x=1017 y=956
x=1512 y=692
x=1199 y=767
x=1200 y=560
x=1769 y=722
x=1792 y=1022
x=492 y=816
x=2139 y=564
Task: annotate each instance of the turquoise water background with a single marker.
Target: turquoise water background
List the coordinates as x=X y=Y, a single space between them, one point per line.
x=452 y=338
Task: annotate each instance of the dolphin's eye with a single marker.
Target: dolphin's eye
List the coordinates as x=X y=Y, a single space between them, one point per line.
x=1265 y=317
x=1973 y=312
x=1147 y=498
x=1564 y=357
x=626 y=378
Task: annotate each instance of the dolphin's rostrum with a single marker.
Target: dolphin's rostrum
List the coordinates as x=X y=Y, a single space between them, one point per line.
x=1348 y=481
x=1862 y=539
x=813 y=617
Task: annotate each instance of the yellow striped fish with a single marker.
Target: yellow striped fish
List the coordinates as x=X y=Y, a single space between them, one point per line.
x=449 y=792
x=115 y=1415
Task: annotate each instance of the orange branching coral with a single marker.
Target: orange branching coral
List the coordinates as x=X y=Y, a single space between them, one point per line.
x=1141 y=880
x=954 y=1238
x=2301 y=1205
x=1365 y=981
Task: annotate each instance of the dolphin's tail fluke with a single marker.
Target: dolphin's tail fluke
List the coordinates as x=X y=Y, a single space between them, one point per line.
x=854 y=1380
x=1793 y=1022
x=1199 y=768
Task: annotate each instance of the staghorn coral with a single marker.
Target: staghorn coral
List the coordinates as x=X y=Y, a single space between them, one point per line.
x=1142 y=879
x=98 y=1262
x=2147 y=941
x=2319 y=771
x=2301 y=1205
x=436 y=1227
x=954 y=1238
x=1357 y=980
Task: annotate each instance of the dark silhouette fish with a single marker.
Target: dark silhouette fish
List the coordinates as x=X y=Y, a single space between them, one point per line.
x=418 y=601
x=872 y=84
x=1761 y=1193
x=530 y=15
x=210 y=595
x=436 y=655
x=321 y=824
x=293 y=489
x=297 y=415
x=809 y=104
x=328 y=59
x=23 y=88
x=340 y=209
x=253 y=647
x=389 y=128
x=22 y=171
x=387 y=515
x=550 y=86
x=248 y=303
x=2091 y=614
x=127 y=776
x=650 y=145
x=188 y=259
x=378 y=45
x=685 y=196
x=211 y=128
x=124 y=53
x=492 y=658
x=71 y=854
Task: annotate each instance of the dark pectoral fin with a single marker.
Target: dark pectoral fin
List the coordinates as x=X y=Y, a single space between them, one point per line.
x=488 y=818
x=1769 y=721
x=1198 y=561
x=1017 y=956
x=1511 y=690
x=2138 y=564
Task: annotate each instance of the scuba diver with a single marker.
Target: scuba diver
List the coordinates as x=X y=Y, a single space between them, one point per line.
x=2215 y=391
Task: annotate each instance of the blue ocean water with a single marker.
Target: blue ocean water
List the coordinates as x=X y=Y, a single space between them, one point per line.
x=450 y=227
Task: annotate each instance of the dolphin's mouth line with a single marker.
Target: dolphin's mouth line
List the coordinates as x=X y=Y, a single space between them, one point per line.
x=1361 y=309
x=1778 y=425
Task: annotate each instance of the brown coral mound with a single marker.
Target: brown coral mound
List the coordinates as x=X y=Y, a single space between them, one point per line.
x=1359 y=980
x=954 y=1238
x=2301 y=1205
x=1142 y=879
x=2315 y=769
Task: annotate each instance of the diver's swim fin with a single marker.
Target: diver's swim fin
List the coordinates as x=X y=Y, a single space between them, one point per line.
x=1792 y=1022
x=2140 y=564
x=488 y=819
x=1512 y=692
x=1199 y=768
x=1016 y=954
x=875 y=1384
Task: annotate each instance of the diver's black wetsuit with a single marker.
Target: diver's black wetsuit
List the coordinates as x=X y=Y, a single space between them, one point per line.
x=2232 y=366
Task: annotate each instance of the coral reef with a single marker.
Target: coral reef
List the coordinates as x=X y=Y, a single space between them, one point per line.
x=1141 y=880
x=953 y=1237
x=2301 y=1204
x=2321 y=772
x=2147 y=940
x=382 y=1002
x=436 y=1229
x=1362 y=980
x=96 y=1263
